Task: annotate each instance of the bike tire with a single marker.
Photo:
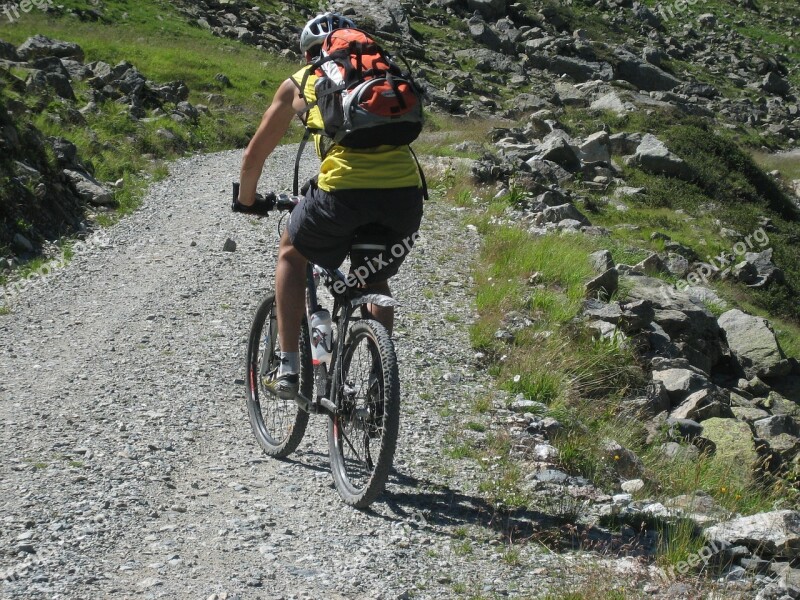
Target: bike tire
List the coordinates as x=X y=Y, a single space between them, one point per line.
x=354 y=428
x=281 y=431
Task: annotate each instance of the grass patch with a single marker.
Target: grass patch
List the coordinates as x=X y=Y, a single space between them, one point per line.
x=788 y=164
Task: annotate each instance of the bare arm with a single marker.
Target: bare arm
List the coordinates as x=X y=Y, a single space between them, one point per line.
x=274 y=124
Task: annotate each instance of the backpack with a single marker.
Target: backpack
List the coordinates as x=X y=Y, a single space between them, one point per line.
x=364 y=98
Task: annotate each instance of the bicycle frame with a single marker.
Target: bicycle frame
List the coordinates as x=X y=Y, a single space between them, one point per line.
x=327 y=378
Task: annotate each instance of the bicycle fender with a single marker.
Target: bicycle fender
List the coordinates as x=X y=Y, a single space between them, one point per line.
x=378 y=299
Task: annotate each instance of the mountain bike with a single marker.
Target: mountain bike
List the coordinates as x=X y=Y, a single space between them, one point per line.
x=358 y=389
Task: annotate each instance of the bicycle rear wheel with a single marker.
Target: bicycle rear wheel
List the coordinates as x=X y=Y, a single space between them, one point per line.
x=279 y=425
x=362 y=435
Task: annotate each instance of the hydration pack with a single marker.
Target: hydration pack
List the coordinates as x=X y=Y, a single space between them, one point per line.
x=364 y=98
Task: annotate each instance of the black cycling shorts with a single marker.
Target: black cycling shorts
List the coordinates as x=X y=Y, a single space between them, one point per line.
x=379 y=224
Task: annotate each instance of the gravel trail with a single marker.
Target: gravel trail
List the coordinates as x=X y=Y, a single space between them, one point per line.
x=128 y=467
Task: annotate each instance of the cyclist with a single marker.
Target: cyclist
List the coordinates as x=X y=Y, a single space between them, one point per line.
x=377 y=187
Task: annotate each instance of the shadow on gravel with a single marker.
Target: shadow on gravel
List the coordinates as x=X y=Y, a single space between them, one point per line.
x=424 y=503
x=443 y=510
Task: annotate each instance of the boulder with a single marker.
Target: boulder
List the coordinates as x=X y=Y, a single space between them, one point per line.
x=680 y=383
x=773 y=534
x=595 y=149
x=653 y=156
x=9 y=52
x=601 y=261
x=89 y=188
x=775 y=84
x=39 y=46
x=489 y=9
x=625 y=462
x=603 y=286
x=677 y=265
x=701 y=405
x=557 y=149
x=749 y=414
x=754 y=344
x=733 y=440
x=652 y=265
x=548 y=172
x=612 y=103
x=776 y=425
x=39 y=81
x=556 y=214
x=764 y=269
x=643 y=75
x=65 y=151
x=578 y=69
x=483 y=34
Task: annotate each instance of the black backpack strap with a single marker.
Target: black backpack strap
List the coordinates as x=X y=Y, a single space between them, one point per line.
x=421 y=175
x=300 y=149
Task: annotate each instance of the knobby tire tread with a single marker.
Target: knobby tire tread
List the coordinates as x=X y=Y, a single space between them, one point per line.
x=276 y=448
x=391 y=381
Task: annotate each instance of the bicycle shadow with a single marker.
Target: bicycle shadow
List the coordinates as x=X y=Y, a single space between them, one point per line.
x=447 y=510
x=423 y=503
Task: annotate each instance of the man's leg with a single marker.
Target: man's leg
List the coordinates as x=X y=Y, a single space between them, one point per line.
x=290 y=288
x=290 y=285
x=382 y=314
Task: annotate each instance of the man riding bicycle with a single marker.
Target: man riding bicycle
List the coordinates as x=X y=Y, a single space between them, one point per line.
x=376 y=191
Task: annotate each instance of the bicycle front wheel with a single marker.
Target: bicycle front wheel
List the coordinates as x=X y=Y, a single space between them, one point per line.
x=362 y=434
x=279 y=425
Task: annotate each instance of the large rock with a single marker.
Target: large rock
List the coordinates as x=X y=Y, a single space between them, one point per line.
x=766 y=271
x=580 y=70
x=625 y=462
x=40 y=81
x=754 y=344
x=701 y=405
x=773 y=534
x=40 y=46
x=680 y=384
x=776 y=425
x=603 y=286
x=733 y=440
x=697 y=340
x=557 y=149
x=482 y=33
x=388 y=16
x=612 y=103
x=775 y=84
x=643 y=75
x=595 y=149
x=654 y=157
x=489 y=9
x=8 y=52
x=89 y=188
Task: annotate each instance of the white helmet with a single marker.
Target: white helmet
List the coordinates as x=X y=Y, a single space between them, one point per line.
x=318 y=28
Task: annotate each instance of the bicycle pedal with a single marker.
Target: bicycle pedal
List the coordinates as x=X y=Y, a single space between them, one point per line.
x=304 y=403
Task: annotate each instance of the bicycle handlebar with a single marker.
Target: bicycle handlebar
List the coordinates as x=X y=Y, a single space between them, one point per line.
x=264 y=204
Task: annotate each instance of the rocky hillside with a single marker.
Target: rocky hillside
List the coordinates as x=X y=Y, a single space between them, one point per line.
x=632 y=169
x=49 y=187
